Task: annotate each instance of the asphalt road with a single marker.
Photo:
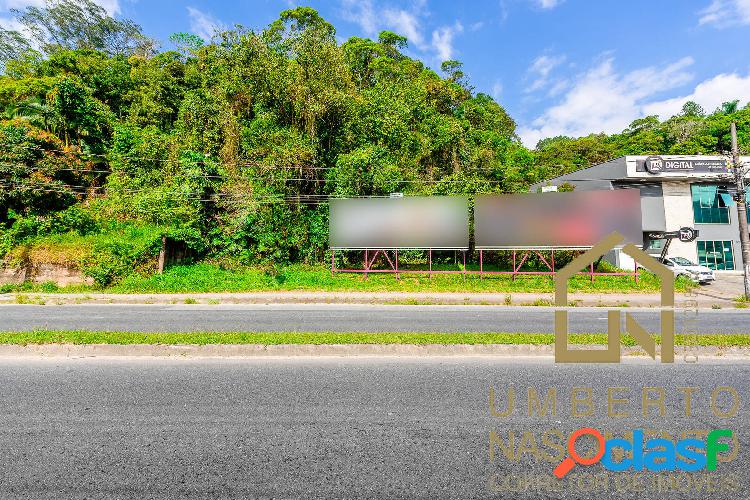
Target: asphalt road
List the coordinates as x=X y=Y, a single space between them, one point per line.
x=335 y=428
x=341 y=318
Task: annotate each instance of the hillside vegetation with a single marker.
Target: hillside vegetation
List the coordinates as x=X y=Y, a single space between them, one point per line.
x=234 y=144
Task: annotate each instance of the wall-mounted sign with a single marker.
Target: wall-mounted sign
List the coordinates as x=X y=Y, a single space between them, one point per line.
x=684 y=234
x=654 y=164
x=688 y=234
x=657 y=164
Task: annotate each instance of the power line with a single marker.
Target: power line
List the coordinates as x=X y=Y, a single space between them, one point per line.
x=270 y=178
x=189 y=196
x=179 y=161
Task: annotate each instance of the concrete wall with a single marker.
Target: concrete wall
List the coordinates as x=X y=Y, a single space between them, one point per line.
x=652 y=207
x=620 y=259
x=724 y=232
x=60 y=275
x=678 y=212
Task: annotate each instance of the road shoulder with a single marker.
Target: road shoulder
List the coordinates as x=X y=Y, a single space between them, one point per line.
x=339 y=350
x=703 y=299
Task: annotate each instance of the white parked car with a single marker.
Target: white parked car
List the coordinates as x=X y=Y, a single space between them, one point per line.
x=683 y=267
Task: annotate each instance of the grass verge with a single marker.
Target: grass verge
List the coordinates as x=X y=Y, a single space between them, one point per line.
x=321 y=338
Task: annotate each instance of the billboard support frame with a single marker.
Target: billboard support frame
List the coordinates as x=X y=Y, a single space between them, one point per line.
x=518 y=265
x=393 y=268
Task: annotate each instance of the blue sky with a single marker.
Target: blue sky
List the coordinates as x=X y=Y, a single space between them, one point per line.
x=558 y=66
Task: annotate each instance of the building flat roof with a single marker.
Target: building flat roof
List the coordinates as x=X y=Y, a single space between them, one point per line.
x=634 y=168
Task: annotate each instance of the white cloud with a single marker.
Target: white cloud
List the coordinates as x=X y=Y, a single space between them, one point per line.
x=204 y=25
x=558 y=88
x=11 y=25
x=723 y=13
x=497 y=90
x=20 y=4
x=405 y=23
x=544 y=64
x=548 y=4
x=111 y=6
x=710 y=94
x=442 y=40
x=362 y=13
x=373 y=18
x=540 y=70
x=14 y=25
x=503 y=11
x=602 y=100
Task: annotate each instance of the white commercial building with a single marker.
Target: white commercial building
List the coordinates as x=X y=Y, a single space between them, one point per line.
x=676 y=191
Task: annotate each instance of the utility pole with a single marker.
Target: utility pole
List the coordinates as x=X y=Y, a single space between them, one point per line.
x=739 y=180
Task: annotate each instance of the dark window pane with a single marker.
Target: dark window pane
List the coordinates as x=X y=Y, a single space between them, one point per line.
x=707 y=206
x=716 y=255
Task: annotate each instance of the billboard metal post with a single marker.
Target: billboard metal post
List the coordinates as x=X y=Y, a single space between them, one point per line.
x=516 y=269
x=398 y=277
x=480 y=264
x=541 y=257
x=552 y=259
x=367 y=263
x=390 y=262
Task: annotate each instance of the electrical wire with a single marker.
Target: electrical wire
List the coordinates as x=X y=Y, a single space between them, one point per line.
x=179 y=161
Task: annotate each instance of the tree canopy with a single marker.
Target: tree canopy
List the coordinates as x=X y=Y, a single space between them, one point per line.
x=236 y=143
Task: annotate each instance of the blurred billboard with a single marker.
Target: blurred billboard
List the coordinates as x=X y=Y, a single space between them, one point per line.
x=437 y=222
x=556 y=220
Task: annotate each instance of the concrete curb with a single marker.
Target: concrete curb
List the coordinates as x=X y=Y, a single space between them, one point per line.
x=329 y=350
x=702 y=298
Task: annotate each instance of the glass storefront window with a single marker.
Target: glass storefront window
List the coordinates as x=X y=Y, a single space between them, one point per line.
x=716 y=255
x=706 y=206
x=655 y=244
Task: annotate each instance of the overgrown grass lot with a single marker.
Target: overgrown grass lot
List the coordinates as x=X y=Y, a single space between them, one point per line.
x=121 y=257
x=206 y=277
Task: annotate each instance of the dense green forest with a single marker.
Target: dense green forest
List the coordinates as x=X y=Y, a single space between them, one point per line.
x=234 y=144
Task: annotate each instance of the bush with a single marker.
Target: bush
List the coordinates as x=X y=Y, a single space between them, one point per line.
x=106 y=256
x=27 y=228
x=119 y=254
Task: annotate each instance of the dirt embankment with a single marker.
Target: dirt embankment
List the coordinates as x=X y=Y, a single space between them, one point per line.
x=61 y=275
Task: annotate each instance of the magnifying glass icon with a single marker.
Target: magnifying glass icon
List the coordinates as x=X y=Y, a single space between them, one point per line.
x=573 y=458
